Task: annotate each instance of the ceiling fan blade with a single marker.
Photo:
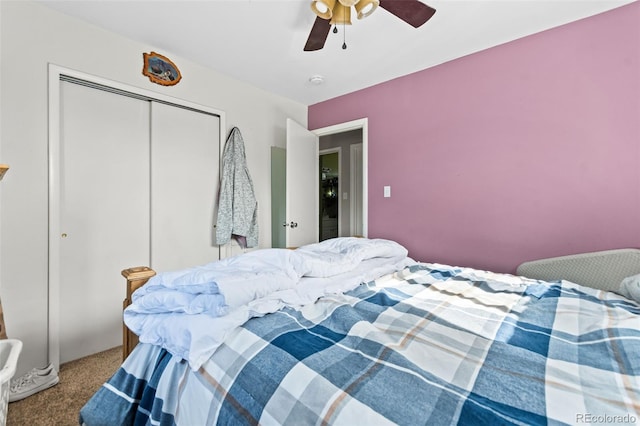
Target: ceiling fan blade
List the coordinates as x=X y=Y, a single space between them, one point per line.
x=318 y=35
x=413 y=12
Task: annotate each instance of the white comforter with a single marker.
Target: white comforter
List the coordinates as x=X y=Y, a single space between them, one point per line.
x=190 y=312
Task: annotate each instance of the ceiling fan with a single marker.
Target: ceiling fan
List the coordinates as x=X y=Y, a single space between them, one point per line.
x=334 y=12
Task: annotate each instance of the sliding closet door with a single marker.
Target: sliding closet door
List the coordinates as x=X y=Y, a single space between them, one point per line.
x=104 y=191
x=184 y=186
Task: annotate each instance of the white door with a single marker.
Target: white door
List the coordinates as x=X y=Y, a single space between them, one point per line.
x=301 y=188
x=184 y=187
x=104 y=213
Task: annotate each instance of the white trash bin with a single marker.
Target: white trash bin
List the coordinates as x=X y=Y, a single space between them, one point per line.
x=9 y=352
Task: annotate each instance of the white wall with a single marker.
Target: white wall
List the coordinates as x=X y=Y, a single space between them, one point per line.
x=31 y=37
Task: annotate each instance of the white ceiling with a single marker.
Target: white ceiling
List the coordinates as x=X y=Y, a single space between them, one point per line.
x=261 y=41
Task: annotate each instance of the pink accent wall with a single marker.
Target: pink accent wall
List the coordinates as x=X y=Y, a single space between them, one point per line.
x=527 y=150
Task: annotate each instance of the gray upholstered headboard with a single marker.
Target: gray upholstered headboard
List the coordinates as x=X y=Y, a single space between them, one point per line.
x=603 y=270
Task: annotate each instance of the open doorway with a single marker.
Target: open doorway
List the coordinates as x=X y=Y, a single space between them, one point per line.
x=352 y=211
x=329 y=193
x=341 y=184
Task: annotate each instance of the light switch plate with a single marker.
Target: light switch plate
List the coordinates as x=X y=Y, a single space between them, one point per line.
x=387 y=192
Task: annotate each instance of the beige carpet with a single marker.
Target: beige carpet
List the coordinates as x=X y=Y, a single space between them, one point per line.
x=60 y=405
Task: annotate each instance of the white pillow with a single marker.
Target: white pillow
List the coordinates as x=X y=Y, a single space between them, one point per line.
x=630 y=288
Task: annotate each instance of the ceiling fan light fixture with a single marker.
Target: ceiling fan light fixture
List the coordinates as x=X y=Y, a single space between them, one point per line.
x=349 y=3
x=341 y=15
x=366 y=7
x=323 y=8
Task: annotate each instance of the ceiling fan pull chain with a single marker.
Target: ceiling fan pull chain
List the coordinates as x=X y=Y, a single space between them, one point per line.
x=335 y=29
x=344 y=36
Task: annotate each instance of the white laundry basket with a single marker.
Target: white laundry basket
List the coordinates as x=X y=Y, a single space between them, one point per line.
x=9 y=352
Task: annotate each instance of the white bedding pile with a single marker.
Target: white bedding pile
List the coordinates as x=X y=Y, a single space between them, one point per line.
x=190 y=312
x=630 y=288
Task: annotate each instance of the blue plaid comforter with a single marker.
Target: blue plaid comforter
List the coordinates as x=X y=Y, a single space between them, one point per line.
x=431 y=344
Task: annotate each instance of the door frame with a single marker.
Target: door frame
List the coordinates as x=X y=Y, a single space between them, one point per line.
x=361 y=123
x=55 y=73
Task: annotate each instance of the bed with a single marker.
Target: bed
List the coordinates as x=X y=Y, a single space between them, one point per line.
x=352 y=331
